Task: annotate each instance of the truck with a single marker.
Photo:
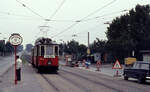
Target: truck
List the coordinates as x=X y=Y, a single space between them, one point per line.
x=140 y=70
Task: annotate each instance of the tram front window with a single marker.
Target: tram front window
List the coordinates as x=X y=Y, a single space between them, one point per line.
x=49 y=50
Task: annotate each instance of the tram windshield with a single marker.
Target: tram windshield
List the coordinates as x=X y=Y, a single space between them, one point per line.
x=49 y=50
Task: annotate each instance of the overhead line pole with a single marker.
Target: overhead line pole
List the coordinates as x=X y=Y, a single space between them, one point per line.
x=88 y=39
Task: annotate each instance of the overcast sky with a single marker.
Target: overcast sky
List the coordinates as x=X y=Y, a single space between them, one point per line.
x=68 y=17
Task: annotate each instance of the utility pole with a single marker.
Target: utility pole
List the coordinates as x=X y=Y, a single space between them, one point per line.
x=88 y=39
x=88 y=50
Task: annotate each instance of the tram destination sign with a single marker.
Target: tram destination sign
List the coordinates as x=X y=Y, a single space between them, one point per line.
x=15 y=39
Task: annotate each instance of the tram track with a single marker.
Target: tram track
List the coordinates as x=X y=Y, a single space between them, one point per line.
x=27 y=58
x=70 y=76
x=98 y=78
x=75 y=83
x=50 y=83
x=94 y=82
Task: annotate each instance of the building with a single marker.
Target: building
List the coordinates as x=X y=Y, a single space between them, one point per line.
x=146 y=55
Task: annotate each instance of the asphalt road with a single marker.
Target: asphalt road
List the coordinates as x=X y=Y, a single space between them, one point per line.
x=76 y=80
x=71 y=79
x=5 y=63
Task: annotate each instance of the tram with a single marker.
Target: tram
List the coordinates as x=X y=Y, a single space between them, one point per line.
x=45 y=55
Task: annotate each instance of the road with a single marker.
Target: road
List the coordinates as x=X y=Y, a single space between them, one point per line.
x=5 y=63
x=71 y=79
x=76 y=80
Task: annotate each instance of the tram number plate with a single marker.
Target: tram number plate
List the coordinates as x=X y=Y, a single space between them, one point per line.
x=49 y=56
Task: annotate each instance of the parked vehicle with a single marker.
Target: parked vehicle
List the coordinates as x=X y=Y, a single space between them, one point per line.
x=140 y=70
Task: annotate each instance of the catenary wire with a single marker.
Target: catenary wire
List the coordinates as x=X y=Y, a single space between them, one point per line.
x=105 y=15
x=12 y=14
x=30 y=9
x=83 y=19
x=50 y=18
x=59 y=7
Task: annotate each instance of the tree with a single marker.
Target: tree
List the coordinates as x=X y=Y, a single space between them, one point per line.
x=19 y=48
x=29 y=47
x=74 y=48
x=130 y=32
x=98 y=46
x=9 y=48
x=2 y=46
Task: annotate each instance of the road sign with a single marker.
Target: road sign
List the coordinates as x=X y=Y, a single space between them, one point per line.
x=117 y=65
x=15 y=39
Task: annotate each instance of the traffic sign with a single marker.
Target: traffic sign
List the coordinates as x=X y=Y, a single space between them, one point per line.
x=117 y=65
x=15 y=39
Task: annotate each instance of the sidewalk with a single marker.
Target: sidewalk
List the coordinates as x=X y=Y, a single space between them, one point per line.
x=28 y=81
x=105 y=69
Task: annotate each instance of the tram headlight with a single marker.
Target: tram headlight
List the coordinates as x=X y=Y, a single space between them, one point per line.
x=49 y=63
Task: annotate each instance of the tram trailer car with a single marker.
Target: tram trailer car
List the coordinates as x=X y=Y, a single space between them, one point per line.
x=45 y=55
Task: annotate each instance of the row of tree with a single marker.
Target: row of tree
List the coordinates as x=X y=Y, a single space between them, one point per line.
x=7 y=48
x=130 y=32
x=127 y=33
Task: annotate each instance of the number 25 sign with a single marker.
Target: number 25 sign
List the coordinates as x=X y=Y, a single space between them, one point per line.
x=15 y=39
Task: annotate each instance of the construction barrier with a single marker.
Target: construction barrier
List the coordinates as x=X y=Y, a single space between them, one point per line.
x=98 y=65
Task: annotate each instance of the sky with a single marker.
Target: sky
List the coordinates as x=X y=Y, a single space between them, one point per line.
x=61 y=19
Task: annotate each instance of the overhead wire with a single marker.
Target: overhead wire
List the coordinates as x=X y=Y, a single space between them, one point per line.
x=8 y=13
x=50 y=18
x=78 y=21
x=19 y=15
x=59 y=7
x=104 y=15
x=97 y=17
x=31 y=10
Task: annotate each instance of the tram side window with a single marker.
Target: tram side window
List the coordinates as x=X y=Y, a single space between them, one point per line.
x=35 y=51
x=56 y=50
x=42 y=50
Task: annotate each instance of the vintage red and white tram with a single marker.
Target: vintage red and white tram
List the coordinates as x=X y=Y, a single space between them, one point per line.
x=45 y=55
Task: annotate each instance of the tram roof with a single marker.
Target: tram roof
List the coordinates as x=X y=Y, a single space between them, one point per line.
x=45 y=41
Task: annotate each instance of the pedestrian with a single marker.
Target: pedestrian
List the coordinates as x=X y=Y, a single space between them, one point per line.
x=87 y=63
x=83 y=63
x=18 y=68
x=98 y=65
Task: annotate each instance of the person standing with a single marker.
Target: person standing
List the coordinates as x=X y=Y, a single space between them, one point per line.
x=18 y=68
x=87 y=63
x=83 y=63
x=98 y=65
